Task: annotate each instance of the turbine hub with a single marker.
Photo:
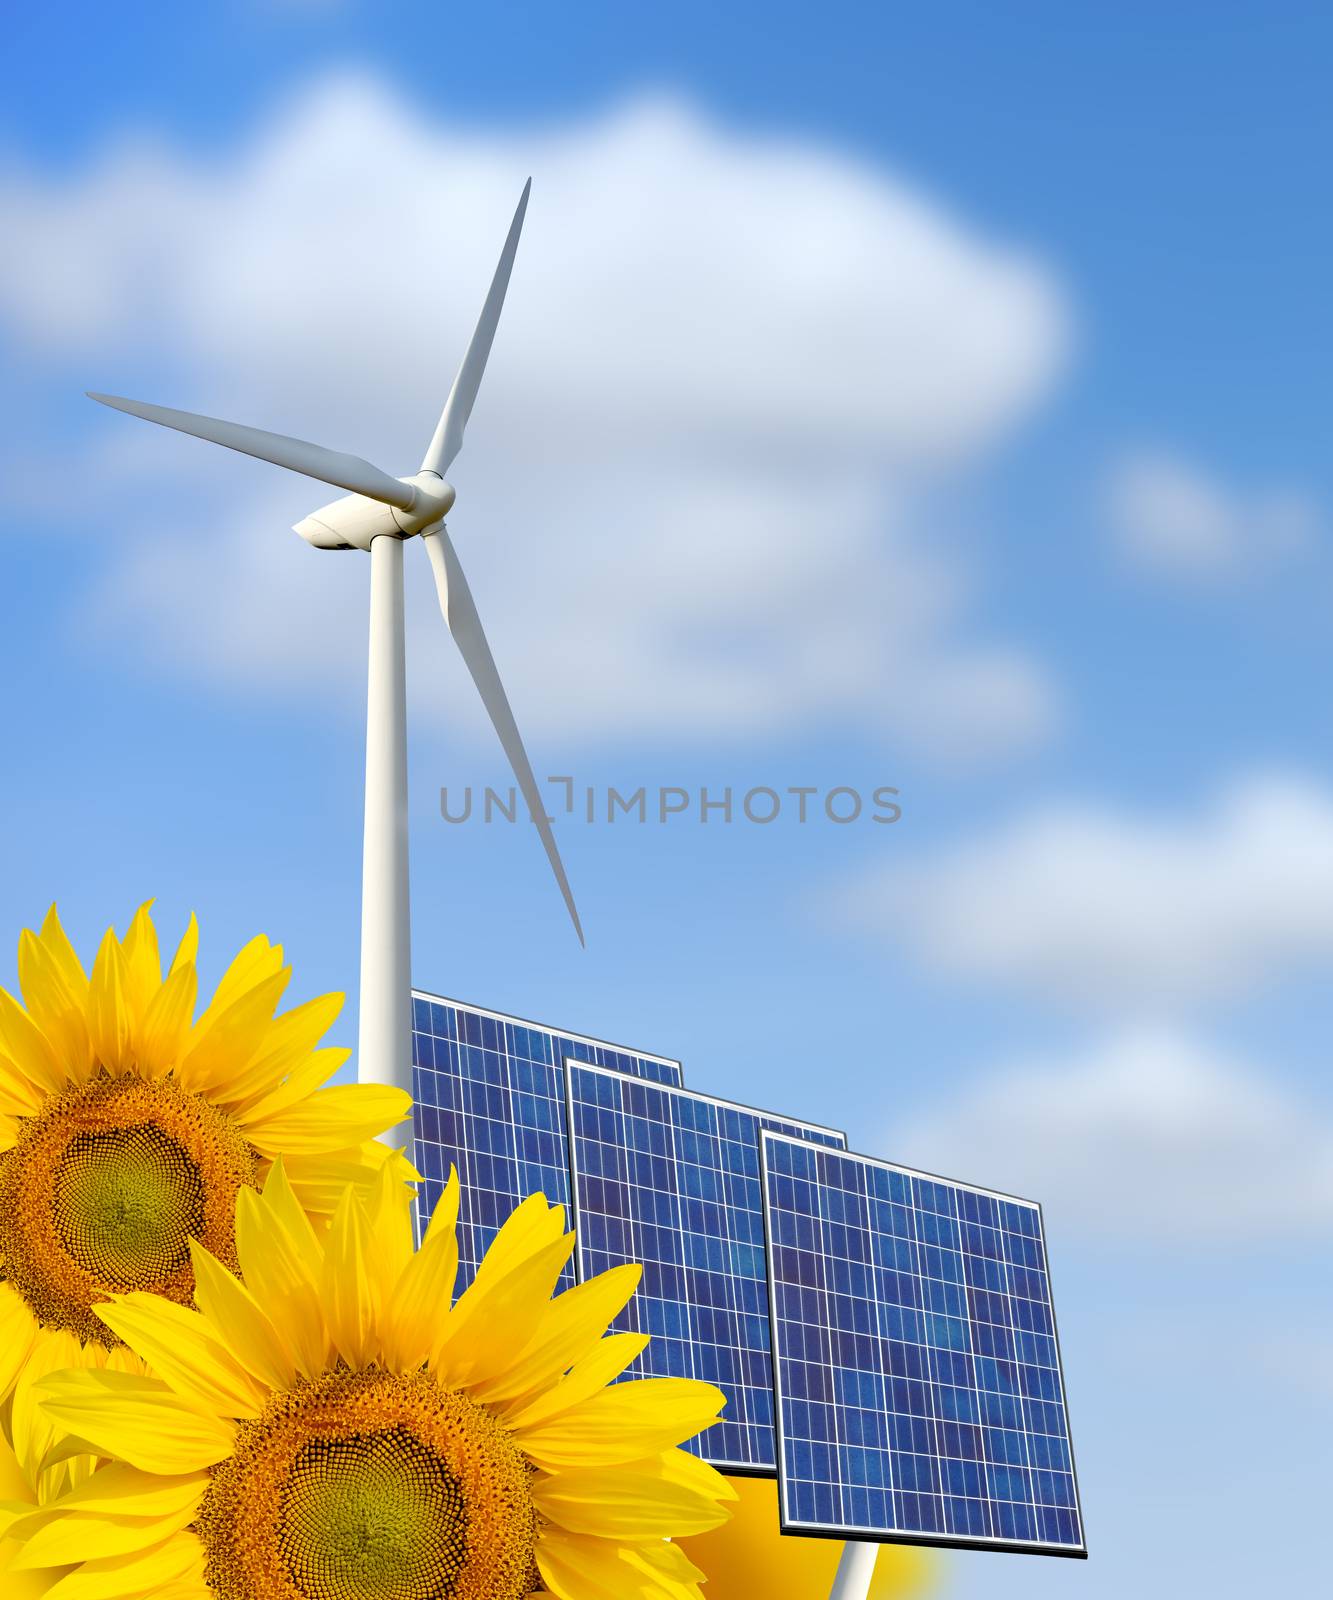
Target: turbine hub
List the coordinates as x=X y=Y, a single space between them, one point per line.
x=354 y=521
x=434 y=498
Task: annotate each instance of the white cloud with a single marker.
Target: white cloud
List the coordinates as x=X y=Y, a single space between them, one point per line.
x=727 y=367
x=1114 y=910
x=1149 y=1138
x=1176 y=521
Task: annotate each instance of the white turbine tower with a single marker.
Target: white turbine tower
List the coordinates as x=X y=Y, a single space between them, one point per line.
x=378 y=516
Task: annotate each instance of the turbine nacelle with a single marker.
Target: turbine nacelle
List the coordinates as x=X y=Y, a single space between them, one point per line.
x=352 y=522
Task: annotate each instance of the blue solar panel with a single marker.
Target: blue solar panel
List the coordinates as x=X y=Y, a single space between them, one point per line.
x=671 y=1179
x=490 y=1100
x=916 y=1367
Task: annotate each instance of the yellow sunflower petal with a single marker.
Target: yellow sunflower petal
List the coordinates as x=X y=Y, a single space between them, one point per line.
x=31 y=1432
x=143 y=961
x=185 y=1350
x=348 y=1289
x=13 y=1514
x=62 y=952
x=18 y=1330
x=121 y=1490
x=282 y=1211
x=25 y=1585
x=240 y=1321
x=572 y=1326
x=532 y=1227
x=683 y=1468
x=255 y=963
x=585 y=1569
x=389 y=1206
x=53 y=1008
x=36 y=1070
x=263 y=1086
x=134 y=1576
x=630 y=1501
x=625 y=1423
x=601 y=1366
x=19 y=1095
x=424 y=1291
x=492 y=1323
x=230 y=1034
x=18 y=1500
x=444 y=1218
x=119 y=1359
x=134 y=1419
x=285 y=1213
x=166 y=1022
x=422 y=1295
x=319 y=1180
x=187 y=951
x=89 y=1536
x=276 y=1093
x=669 y=1560
x=529 y=1227
x=330 y=1119
x=108 y=1006
x=16 y=1491
x=673 y=1576
x=190 y=1587
x=283 y=1263
x=75 y=1456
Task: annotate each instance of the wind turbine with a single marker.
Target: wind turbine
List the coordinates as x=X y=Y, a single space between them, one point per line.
x=379 y=515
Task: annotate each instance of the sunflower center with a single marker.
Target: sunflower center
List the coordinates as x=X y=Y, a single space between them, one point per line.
x=127 y=1203
x=104 y=1189
x=375 y=1516
x=370 y=1486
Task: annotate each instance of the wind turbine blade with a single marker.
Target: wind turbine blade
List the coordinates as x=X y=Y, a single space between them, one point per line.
x=448 y=440
x=329 y=466
x=460 y=612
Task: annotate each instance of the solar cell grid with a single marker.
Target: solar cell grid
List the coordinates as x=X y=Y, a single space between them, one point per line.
x=916 y=1366
x=490 y=1099
x=670 y=1179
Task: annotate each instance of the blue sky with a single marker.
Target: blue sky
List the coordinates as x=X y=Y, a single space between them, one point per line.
x=923 y=397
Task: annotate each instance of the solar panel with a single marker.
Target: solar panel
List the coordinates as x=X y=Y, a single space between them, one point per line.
x=916 y=1367
x=670 y=1178
x=489 y=1098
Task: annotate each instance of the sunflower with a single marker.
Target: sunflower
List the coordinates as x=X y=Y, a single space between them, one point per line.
x=333 y=1426
x=127 y=1128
